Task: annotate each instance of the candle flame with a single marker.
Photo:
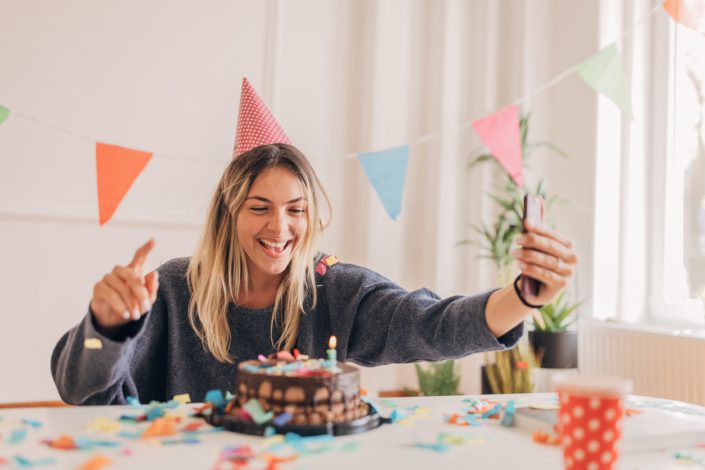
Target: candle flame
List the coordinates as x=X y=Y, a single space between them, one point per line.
x=332 y=343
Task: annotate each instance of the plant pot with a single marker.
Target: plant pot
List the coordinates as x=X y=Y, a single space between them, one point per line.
x=558 y=350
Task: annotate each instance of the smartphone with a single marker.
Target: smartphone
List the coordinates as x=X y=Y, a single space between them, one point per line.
x=533 y=213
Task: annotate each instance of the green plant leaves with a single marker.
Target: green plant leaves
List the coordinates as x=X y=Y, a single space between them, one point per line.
x=439 y=379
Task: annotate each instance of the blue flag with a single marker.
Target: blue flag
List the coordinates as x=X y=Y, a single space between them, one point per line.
x=386 y=170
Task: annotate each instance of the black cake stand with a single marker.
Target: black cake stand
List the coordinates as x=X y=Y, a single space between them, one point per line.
x=232 y=423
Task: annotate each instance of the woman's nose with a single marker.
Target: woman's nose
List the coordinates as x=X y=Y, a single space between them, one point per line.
x=277 y=221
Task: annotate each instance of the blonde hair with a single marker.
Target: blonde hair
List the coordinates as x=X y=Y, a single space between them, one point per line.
x=217 y=273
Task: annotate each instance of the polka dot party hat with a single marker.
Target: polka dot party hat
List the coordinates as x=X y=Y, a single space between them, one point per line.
x=255 y=124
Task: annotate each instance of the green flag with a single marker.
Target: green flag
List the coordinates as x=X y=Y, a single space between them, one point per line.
x=604 y=73
x=4 y=113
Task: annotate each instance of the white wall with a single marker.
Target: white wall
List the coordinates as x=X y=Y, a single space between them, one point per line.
x=341 y=77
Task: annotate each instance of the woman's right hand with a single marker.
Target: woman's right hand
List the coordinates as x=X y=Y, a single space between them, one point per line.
x=125 y=294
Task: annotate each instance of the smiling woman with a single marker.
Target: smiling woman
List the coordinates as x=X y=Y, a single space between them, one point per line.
x=257 y=285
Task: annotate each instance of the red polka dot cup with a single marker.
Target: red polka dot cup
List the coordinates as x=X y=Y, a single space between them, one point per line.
x=589 y=419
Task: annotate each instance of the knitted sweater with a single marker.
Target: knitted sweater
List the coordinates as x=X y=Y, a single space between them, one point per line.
x=375 y=321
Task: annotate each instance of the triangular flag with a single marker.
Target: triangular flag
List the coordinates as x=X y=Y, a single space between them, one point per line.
x=689 y=13
x=255 y=124
x=4 y=113
x=603 y=72
x=500 y=134
x=117 y=168
x=386 y=170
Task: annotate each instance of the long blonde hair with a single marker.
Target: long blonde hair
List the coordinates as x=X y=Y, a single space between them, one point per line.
x=217 y=272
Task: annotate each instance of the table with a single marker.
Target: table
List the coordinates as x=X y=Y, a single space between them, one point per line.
x=487 y=446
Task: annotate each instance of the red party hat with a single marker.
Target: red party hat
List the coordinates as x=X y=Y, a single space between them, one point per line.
x=255 y=124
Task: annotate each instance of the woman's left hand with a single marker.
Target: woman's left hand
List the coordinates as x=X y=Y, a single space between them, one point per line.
x=547 y=256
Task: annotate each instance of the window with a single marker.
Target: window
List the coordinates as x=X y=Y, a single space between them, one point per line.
x=650 y=178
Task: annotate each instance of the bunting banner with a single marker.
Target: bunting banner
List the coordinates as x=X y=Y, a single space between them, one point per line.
x=4 y=113
x=386 y=171
x=116 y=168
x=689 y=13
x=605 y=74
x=500 y=134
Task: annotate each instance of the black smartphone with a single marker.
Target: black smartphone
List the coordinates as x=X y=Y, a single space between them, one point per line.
x=533 y=213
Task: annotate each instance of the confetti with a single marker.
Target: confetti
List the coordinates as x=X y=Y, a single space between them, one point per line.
x=96 y=462
x=93 y=343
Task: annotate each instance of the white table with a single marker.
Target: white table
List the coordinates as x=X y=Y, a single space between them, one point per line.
x=488 y=446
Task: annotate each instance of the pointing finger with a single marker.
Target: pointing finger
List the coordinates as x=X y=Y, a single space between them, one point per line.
x=140 y=256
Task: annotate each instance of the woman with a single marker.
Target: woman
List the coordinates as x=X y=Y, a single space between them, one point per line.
x=257 y=285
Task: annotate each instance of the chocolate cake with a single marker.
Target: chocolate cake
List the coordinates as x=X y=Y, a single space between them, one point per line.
x=306 y=391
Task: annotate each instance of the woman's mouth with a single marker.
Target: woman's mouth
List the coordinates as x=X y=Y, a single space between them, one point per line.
x=274 y=248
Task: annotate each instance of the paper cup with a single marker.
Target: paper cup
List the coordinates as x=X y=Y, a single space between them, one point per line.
x=589 y=419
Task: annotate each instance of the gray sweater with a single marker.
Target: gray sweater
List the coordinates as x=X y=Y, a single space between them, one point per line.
x=376 y=322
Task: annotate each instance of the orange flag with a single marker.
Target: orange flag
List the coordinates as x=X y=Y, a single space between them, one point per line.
x=117 y=168
x=689 y=13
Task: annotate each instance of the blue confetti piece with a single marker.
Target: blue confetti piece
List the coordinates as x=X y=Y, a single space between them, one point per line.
x=32 y=423
x=437 y=447
x=25 y=463
x=155 y=413
x=16 y=436
x=85 y=443
x=398 y=414
x=471 y=419
x=374 y=405
x=133 y=401
x=282 y=419
x=215 y=398
x=508 y=418
x=269 y=431
x=489 y=413
x=171 y=404
x=130 y=435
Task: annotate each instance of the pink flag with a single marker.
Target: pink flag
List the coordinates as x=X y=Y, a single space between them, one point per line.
x=500 y=134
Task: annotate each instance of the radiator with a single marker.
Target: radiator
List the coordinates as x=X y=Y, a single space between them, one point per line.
x=660 y=365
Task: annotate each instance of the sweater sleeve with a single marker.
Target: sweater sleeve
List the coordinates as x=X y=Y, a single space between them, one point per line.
x=90 y=368
x=381 y=323
x=95 y=366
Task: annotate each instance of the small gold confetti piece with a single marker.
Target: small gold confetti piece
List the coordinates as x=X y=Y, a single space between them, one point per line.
x=93 y=343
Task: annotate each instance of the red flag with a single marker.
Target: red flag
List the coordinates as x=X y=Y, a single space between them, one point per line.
x=117 y=168
x=500 y=134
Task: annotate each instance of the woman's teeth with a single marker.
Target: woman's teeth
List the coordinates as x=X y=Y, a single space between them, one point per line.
x=276 y=246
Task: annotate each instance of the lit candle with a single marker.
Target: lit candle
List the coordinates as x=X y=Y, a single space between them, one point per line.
x=332 y=354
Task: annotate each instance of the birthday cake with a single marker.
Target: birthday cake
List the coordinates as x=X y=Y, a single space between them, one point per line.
x=297 y=391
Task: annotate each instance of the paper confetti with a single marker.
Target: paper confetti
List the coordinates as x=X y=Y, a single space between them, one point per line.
x=183 y=398
x=16 y=436
x=93 y=343
x=255 y=410
x=96 y=462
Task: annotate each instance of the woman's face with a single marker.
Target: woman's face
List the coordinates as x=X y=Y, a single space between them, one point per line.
x=271 y=223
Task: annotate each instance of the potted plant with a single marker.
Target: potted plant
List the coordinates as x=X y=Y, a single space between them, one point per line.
x=497 y=243
x=510 y=372
x=550 y=339
x=439 y=378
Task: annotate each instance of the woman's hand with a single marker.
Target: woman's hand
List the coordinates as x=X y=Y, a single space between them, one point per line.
x=125 y=294
x=547 y=256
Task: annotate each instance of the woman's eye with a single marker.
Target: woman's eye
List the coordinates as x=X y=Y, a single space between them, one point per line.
x=258 y=209
x=297 y=211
